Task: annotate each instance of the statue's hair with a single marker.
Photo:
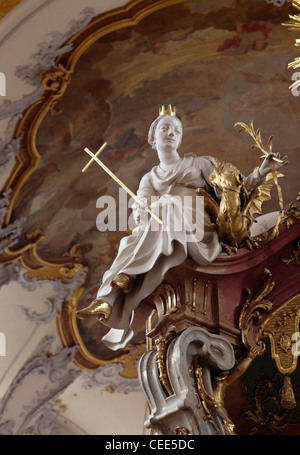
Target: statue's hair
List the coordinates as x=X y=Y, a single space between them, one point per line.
x=153 y=126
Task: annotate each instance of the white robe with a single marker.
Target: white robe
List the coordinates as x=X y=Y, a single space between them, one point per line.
x=148 y=254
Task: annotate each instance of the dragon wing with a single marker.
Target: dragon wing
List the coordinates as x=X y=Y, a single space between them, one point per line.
x=259 y=195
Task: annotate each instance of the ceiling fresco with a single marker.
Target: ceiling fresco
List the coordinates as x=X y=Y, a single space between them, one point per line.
x=218 y=62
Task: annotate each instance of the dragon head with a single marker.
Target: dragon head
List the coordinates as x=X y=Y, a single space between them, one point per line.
x=227 y=176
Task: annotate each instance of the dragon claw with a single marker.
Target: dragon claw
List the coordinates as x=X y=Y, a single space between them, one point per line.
x=228 y=249
x=252 y=242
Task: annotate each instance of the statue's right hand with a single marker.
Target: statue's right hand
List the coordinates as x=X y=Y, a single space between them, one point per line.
x=139 y=215
x=265 y=167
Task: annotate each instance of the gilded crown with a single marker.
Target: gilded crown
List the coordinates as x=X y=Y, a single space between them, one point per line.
x=168 y=111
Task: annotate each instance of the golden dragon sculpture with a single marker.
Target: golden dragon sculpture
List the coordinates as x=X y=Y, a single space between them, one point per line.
x=236 y=212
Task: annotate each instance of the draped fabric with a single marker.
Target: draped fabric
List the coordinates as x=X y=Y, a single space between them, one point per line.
x=152 y=249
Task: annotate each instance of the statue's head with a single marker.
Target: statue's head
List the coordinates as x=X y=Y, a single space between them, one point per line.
x=167 y=116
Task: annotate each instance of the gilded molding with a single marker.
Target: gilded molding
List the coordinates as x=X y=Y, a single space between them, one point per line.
x=294 y=257
x=160 y=358
x=6 y=7
x=181 y=431
x=208 y=401
x=256 y=304
x=251 y=311
x=280 y=327
x=56 y=81
x=260 y=414
x=291 y=213
x=169 y=300
x=26 y=253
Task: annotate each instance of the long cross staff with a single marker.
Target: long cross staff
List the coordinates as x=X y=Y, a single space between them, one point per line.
x=94 y=157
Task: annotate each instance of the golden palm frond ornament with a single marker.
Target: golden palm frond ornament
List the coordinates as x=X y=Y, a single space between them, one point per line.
x=294 y=24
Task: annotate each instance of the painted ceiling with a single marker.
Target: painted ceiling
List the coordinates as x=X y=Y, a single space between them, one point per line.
x=218 y=62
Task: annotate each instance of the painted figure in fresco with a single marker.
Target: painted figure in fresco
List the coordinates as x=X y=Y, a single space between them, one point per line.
x=152 y=249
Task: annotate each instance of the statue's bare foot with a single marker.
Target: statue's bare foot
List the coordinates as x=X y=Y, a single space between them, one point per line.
x=123 y=282
x=99 y=309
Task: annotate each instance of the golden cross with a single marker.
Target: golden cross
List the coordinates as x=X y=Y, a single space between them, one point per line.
x=94 y=157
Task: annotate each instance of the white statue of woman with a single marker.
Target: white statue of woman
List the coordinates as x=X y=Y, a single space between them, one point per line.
x=150 y=251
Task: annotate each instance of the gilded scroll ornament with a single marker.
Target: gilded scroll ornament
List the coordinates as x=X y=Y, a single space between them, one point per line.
x=295 y=256
x=27 y=254
x=207 y=401
x=181 y=431
x=6 y=7
x=56 y=80
x=291 y=213
x=264 y=394
x=160 y=359
x=254 y=306
x=169 y=299
x=280 y=327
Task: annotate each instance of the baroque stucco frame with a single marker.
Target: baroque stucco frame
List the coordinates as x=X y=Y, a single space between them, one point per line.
x=55 y=82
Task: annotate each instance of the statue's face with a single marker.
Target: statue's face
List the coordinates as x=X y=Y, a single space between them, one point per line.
x=168 y=134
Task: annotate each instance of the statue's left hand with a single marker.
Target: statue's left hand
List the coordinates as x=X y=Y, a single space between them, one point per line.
x=265 y=166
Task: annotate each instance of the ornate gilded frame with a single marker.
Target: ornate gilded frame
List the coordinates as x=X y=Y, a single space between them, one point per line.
x=55 y=82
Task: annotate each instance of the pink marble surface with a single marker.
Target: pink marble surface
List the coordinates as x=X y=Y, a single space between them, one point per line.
x=231 y=275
